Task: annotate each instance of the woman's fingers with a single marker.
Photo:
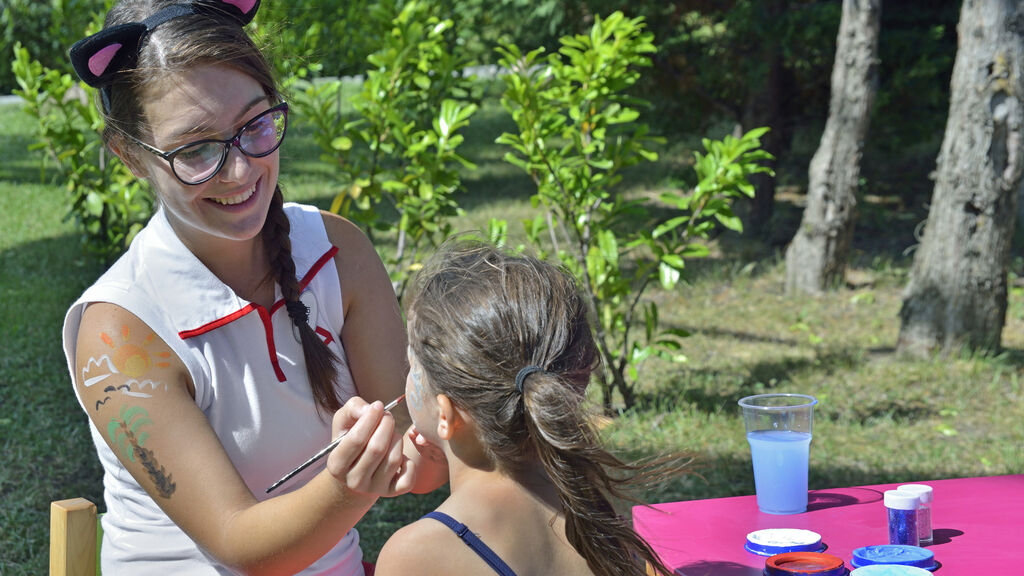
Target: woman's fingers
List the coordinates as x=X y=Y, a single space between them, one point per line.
x=368 y=459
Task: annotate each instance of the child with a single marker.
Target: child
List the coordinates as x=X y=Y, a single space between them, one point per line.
x=500 y=354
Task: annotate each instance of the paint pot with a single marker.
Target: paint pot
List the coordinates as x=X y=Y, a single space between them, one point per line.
x=889 y=570
x=804 y=563
x=772 y=541
x=894 y=554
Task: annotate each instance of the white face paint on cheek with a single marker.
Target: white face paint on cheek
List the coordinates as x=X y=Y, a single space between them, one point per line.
x=414 y=389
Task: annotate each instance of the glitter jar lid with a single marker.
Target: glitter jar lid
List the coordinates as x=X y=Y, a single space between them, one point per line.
x=900 y=500
x=804 y=563
x=923 y=491
x=773 y=541
x=900 y=554
x=889 y=570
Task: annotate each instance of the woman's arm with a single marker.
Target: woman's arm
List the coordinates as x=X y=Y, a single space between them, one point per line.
x=374 y=338
x=146 y=412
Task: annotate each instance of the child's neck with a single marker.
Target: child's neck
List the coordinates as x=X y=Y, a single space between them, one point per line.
x=531 y=483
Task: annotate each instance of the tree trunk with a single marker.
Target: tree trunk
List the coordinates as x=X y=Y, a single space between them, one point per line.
x=764 y=108
x=956 y=295
x=817 y=257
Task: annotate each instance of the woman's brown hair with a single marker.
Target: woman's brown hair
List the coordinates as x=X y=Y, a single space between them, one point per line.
x=477 y=317
x=185 y=43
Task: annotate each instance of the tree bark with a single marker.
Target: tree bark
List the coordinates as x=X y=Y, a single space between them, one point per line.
x=817 y=257
x=956 y=295
x=764 y=108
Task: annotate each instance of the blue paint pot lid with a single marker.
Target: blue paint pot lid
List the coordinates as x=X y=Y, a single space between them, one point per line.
x=900 y=554
x=889 y=570
x=772 y=541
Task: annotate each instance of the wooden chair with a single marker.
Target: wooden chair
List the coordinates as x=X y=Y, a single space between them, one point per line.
x=76 y=535
x=74 y=541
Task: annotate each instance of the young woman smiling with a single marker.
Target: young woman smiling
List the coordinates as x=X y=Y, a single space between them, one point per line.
x=238 y=334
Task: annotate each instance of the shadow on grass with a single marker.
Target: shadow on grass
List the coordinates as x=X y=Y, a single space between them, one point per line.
x=714 y=391
x=47 y=448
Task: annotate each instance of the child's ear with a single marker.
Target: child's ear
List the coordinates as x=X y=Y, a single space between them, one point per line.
x=449 y=418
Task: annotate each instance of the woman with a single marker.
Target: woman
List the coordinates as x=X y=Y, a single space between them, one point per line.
x=500 y=354
x=211 y=357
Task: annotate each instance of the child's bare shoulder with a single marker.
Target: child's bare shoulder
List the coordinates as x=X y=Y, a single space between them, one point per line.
x=416 y=549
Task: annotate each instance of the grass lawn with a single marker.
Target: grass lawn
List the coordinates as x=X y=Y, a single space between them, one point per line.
x=880 y=418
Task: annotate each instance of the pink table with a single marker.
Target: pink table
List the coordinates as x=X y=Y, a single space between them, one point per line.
x=978 y=525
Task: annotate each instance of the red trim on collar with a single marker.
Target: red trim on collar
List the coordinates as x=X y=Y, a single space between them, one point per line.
x=326 y=335
x=211 y=326
x=265 y=316
x=268 y=329
x=315 y=269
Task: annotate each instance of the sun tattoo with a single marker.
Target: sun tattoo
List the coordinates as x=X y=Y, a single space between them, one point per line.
x=130 y=357
x=133 y=360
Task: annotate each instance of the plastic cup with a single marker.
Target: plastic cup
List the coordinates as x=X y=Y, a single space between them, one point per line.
x=779 y=432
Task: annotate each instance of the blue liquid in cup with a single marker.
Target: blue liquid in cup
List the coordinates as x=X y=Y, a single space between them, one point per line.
x=780 y=470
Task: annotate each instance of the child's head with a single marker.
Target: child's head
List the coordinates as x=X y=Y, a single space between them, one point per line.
x=478 y=317
x=506 y=340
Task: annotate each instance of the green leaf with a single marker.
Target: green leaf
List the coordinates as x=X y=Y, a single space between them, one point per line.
x=730 y=221
x=668 y=276
x=669 y=225
x=341 y=143
x=94 y=204
x=673 y=260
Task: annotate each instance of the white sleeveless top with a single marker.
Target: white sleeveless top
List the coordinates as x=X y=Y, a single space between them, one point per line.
x=250 y=382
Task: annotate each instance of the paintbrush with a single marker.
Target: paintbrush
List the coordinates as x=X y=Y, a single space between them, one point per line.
x=323 y=452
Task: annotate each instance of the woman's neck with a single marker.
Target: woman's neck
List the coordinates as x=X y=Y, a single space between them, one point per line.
x=241 y=265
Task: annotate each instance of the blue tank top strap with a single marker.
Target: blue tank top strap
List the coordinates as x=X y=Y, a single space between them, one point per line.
x=471 y=540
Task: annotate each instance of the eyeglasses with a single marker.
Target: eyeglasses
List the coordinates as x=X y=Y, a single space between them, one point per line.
x=197 y=162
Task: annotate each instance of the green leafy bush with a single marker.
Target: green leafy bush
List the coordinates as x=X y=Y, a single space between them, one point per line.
x=577 y=131
x=107 y=202
x=45 y=29
x=396 y=160
x=332 y=36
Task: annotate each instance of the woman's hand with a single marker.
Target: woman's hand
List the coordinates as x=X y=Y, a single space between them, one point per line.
x=369 y=459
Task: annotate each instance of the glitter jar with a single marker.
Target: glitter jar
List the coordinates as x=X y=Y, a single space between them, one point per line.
x=805 y=563
x=902 y=512
x=924 y=510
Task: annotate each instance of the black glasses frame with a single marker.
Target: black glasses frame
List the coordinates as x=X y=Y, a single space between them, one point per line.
x=227 y=144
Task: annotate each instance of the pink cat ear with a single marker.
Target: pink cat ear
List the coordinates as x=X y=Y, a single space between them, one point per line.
x=99 y=61
x=245 y=6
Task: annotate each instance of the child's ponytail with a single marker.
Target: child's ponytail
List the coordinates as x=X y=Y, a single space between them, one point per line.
x=586 y=476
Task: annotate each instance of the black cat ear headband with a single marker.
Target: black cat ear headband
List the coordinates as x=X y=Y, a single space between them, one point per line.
x=98 y=58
